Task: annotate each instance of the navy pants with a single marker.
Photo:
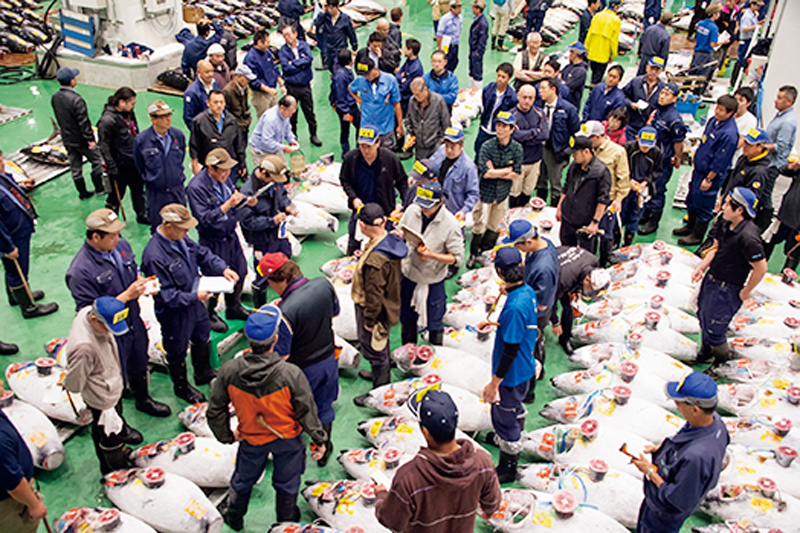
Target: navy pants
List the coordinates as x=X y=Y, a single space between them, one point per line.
x=132 y=349
x=651 y=522
x=741 y=52
x=452 y=57
x=699 y=59
x=323 y=377
x=659 y=198
x=229 y=250
x=375 y=358
x=717 y=302
x=533 y=21
x=475 y=66
x=156 y=199
x=701 y=203
x=437 y=303
x=631 y=212
x=288 y=464
x=12 y=275
x=508 y=416
x=181 y=326
x=344 y=128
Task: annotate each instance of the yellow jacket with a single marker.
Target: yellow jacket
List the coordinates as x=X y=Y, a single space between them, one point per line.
x=602 y=40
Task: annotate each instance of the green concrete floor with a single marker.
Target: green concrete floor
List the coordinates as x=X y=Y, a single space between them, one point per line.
x=60 y=233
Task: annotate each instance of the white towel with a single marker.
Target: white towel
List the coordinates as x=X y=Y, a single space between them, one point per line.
x=111 y=422
x=419 y=302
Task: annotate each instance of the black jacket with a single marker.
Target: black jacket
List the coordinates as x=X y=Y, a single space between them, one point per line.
x=258 y=222
x=789 y=213
x=116 y=133
x=750 y=174
x=205 y=137
x=644 y=166
x=72 y=117
x=583 y=190
x=574 y=264
x=391 y=176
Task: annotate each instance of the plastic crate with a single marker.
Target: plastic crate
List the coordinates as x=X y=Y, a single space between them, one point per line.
x=689 y=106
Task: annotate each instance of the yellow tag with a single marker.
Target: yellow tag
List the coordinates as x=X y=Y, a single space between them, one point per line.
x=404 y=428
x=504 y=115
x=376 y=427
x=343 y=508
x=782 y=384
x=421 y=394
x=366 y=132
x=319 y=489
x=754 y=133
x=768 y=402
x=761 y=504
x=541 y=518
x=38 y=439
x=419 y=167
x=119 y=317
x=674 y=420
x=195 y=509
x=437 y=364
x=362 y=67
x=424 y=193
x=451 y=131
x=745 y=470
x=648 y=136
x=85 y=528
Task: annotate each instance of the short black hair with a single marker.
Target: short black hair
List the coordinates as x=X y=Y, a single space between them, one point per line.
x=619 y=70
x=375 y=37
x=620 y=114
x=790 y=91
x=551 y=82
x=728 y=102
x=212 y=92
x=90 y=232
x=554 y=64
x=260 y=36
x=396 y=14
x=508 y=68
x=345 y=57
x=414 y=45
x=333 y=3
x=203 y=29
x=747 y=93
x=513 y=274
x=708 y=410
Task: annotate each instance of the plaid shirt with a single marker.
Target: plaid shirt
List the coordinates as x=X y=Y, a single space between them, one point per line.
x=510 y=155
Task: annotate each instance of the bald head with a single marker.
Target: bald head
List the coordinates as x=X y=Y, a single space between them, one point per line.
x=418 y=84
x=527 y=96
x=382 y=27
x=205 y=71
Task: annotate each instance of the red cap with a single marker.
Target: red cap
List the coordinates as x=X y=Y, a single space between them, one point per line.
x=271 y=262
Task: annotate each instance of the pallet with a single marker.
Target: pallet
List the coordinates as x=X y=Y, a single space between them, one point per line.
x=8 y=113
x=37 y=172
x=17 y=60
x=216 y=496
x=159 y=87
x=66 y=430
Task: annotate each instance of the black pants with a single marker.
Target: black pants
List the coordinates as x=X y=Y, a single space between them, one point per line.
x=110 y=449
x=127 y=177
x=76 y=155
x=567 y=316
x=784 y=235
x=344 y=127
x=598 y=71
x=305 y=99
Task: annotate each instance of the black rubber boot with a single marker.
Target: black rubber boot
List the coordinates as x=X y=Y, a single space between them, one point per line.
x=286 y=507
x=507 y=467
x=381 y=375
x=651 y=226
x=217 y=324
x=697 y=235
x=687 y=228
x=408 y=333
x=8 y=349
x=130 y=435
x=627 y=238
x=80 y=185
x=366 y=375
x=489 y=240
x=513 y=201
x=234 y=509
x=328 y=445
x=790 y=263
x=233 y=304
x=541 y=193
x=494 y=43
x=500 y=46
x=704 y=354
x=201 y=361
x=436 y=337
x=566 y=344
x=12 y=301
x=259 y=297
x=116 y=458
x=605 y=251
x=144 y=402
x=523 y=199
x=475 y=249
x=28 y=308
x=184 y=391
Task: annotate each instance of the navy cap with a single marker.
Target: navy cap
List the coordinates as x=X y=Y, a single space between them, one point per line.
x=696 y=388
x=436 y=412
x=367 y=135
x=369 y=213
x=66 y=74
x=229 y=21
x=428 y=194
x=421 y=170
x=454 y=135
x=673 y=87
x=745 y=198
x=262 y=325
x=113 y=313
x=656 y=61
x=647 y=136
x=506 y=118
x=364 y=64
x=520 y=231
x=578 y=47
x=507 y=256
x=756 y=136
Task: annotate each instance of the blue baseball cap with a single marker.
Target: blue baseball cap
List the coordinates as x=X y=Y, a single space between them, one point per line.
x=229 y=21
x=66 y=74
x=113 y=313
x=520 y=231
x=262 y=325
x=367 y=135
x=436 y=412
x=656 y=61
x=454 y=135
x=507 y=256
x=421 y=170
x=428 y=194
x=647 y=136
x=745 y=198
x=696 y=388
x=673 y=87
x=756 y=136
x=578 y=47
x=506 y=118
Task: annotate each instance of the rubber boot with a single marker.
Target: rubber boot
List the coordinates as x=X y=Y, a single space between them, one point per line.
x=513 y=201
x=130 y=435
x=627 y=238
x=489 y=240
x=259 y=297
x=184 y=391
x=217 y=324
x=500 y=46
x=494 y=43
x=436 y=337
x=531 y=396
x=566 y=344
x=112 y=459
x=234 y=509
x=408 y=333
x=475 y=249
x=201 y=361
x=8 y=349
x=328 y=445
x=790 y=263
x=697 y=235
x=541 y=193
x=233 y=304
x=12 y=301
x=286 y=507
x=524 y=199
x=381 y=375
x=144 y=402
x=721 y=352
x=80 y=185
x=507 y=467
x=651 y=226
x=687 y=228
x=28 y=308
x=704 y=354
x=605 y=251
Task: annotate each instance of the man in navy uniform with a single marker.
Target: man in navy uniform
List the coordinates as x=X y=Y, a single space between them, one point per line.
x=106 y=266
x=174 y=259
x=158 y=155
x=214 y=199
x=17 y=224
x=478 y=35
x=642 y=93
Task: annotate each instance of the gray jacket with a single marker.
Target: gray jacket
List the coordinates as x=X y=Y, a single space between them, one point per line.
x=428 y=124
x=442 y=236
x=72 y=117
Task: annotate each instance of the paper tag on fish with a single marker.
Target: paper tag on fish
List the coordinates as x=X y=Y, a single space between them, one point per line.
x=195 y=509
x=319 y=489
x=761 y=504
x=540 y=517
x=38 y=439
x=375 y=428
x=405 y=428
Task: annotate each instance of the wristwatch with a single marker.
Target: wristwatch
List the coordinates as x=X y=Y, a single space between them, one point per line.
x=595 y=221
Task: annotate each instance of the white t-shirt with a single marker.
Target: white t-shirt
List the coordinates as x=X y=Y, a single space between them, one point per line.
x=743 y=123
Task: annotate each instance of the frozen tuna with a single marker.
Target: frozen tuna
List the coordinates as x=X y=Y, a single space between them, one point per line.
x=363 y=463
x=613 y=353
x=657 y=335
x=85 y=519
x=38 y=432
x=311 y=220
x=454 y=367
x=748 y=503
x=345 y=504
x=644 y=386
x=39 y=384
x=204 y=461
x=194 y=418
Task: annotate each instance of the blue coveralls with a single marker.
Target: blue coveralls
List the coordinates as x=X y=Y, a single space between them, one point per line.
x=535 y=16
x=517 y=326
x=541 y=274
x=258 y=223
x=195 y=100
x=411 y=69
x=643 y=167
x=195 y=49
x=478 y=35
x=161 y=169
x=182 y=316
x=335 y=36
x=715 y=153
x=671 y=129
x=17 y=217
x=217 y=230
x=93 y=274
x=635 y=91
x=291 y=11
x=689 y=463
x=707 y=33
x=600 y=103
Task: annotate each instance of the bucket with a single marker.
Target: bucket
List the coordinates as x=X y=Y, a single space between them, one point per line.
x=597 y=470
x=193 y=15
x=689 y=106
x=782 y=427
x=635 y=341
x=297 y=162
x=767 y=487
x=564 y=503
x=44 y=366
x=621 y=394
x=589 y=429
x=784 y=455
x=662 y=278
x=656 y=301
x=628 y=371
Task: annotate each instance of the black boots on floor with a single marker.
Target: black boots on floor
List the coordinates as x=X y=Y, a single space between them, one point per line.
x=27 y=306
x=181 y=386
